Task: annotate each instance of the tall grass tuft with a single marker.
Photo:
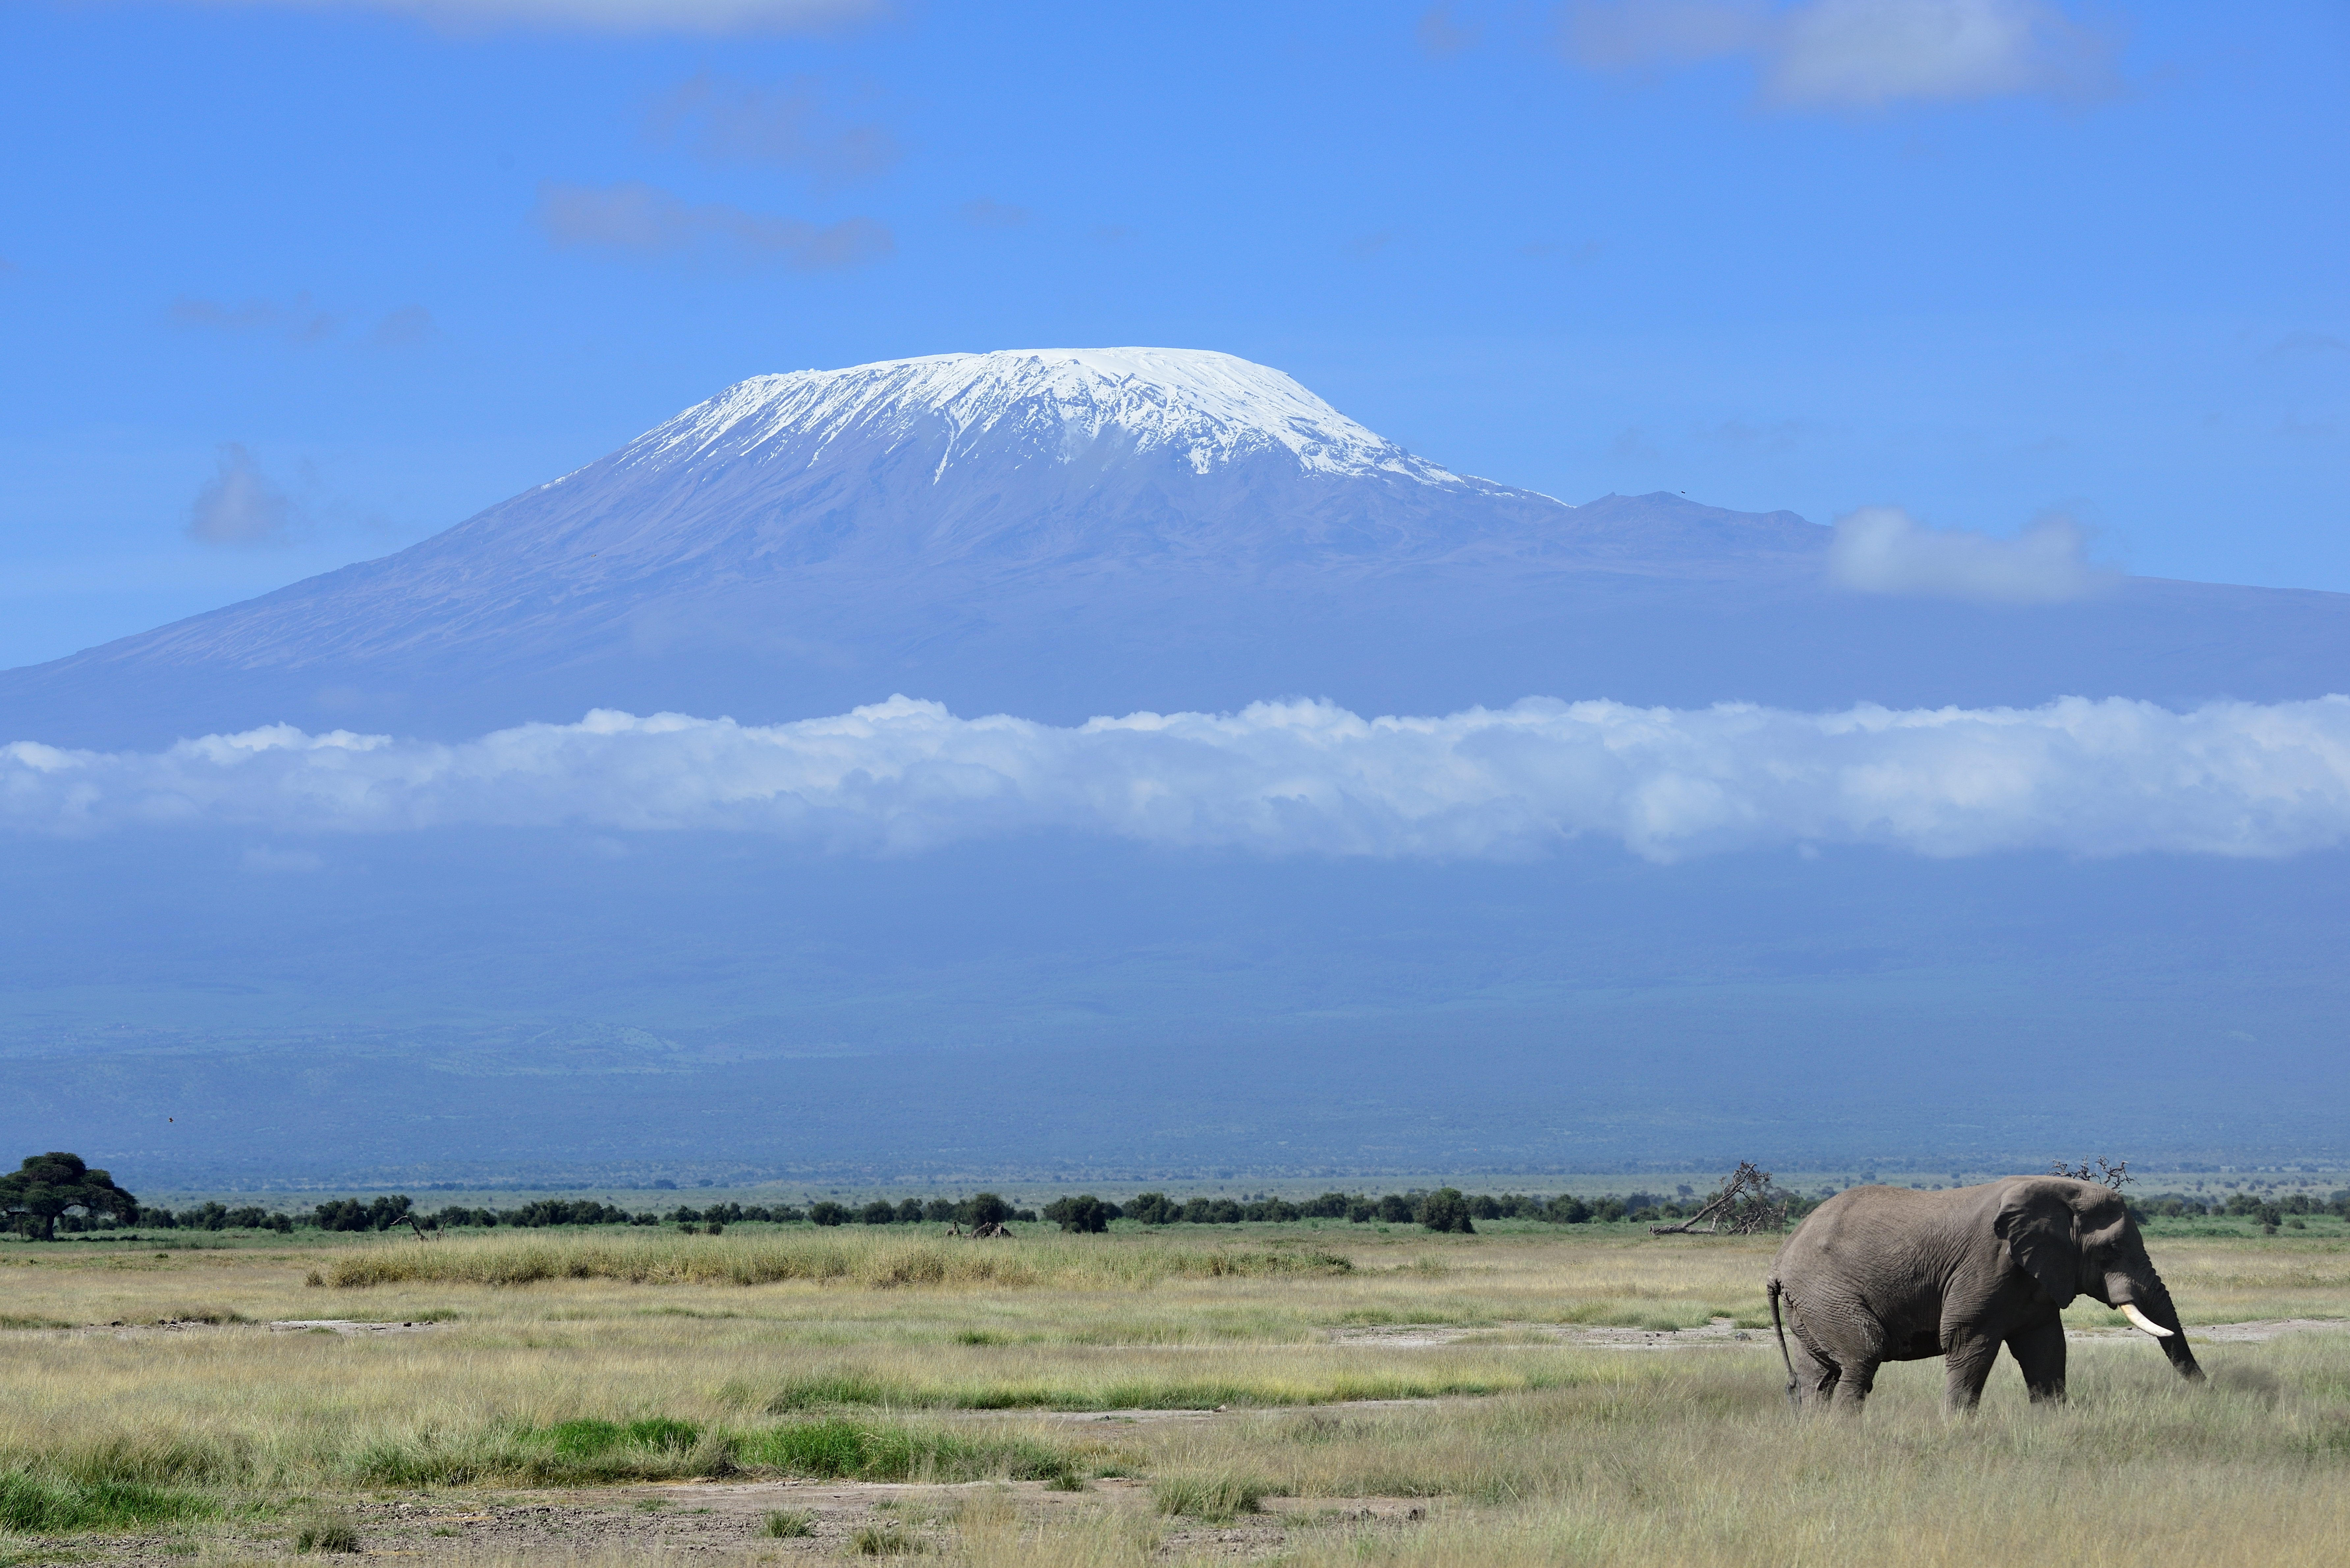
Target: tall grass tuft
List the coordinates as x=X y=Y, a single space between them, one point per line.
x=330 y=1533
x=1218 y=1499
x=787 y=1524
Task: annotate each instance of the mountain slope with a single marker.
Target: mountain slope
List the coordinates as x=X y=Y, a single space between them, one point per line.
x=1062 y=533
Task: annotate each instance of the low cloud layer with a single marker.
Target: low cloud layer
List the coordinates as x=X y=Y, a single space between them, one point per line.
x=1854 y=54
x=1883 y=550
x=2075 y=776
x=634 y=216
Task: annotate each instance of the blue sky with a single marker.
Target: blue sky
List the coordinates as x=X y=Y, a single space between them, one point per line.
x=373 y=266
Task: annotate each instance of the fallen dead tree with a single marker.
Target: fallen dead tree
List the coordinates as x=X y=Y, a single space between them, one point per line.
x=1745 y=1205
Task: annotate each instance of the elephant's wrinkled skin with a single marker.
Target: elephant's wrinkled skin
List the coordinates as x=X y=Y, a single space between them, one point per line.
x=1887 y=1273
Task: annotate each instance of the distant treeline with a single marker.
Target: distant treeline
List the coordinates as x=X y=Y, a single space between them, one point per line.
x=2271 y=1212
x=1445 y=1209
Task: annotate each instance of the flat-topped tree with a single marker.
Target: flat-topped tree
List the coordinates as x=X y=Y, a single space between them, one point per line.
x=47 y=1185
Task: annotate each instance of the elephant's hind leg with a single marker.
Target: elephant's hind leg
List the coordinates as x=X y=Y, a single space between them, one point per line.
x=1853 y=1389
x=2039 y=1350
x=1816 y=1376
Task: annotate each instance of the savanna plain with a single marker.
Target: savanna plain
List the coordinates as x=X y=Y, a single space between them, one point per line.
x=1306 y=1394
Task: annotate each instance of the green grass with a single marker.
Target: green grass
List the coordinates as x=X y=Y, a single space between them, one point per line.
x=41 y=1505
x=838 y=1449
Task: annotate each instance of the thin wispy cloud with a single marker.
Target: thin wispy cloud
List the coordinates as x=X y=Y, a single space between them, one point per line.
x=634 y=216
x=297 y=320
x=405 y=327
x=2075 y=776
x=786 y=126
x=2306 y=344
x=241 y=506
x=986 y=212
x=704 y=17
x=1441 y=35
x=1855 y=54
x=1883 y=550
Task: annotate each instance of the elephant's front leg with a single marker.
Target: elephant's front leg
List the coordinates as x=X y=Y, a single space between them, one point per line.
x=1966 y=1368
x=2039 y=1349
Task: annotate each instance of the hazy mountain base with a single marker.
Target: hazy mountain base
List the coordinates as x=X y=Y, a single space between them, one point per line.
x=542 y=1005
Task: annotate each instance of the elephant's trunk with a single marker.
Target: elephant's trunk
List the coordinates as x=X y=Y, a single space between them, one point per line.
x=2150 y=1308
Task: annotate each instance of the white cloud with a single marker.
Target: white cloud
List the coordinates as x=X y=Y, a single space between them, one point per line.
x=1855 y=54
x=1883 y=550
x=635 y=216
x=719 y=17
x=240 y=506
x=2075 y=776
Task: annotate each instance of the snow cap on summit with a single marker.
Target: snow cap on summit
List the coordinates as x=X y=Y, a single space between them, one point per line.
x=1208 y=408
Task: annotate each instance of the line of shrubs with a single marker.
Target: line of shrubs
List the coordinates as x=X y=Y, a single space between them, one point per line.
x=1446 y=1209
x=2270 y=1212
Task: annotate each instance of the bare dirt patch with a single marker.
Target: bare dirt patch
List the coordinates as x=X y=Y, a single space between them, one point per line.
x=720 y=1519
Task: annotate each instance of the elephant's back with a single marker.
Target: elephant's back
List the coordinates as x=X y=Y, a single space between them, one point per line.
x=1854 y=1220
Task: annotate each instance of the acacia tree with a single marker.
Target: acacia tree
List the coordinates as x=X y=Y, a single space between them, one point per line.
x=47 y=1185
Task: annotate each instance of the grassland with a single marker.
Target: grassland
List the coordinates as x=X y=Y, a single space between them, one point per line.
x=1305 y=1394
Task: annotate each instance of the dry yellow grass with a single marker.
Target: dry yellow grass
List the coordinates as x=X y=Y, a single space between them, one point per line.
x=1563 y=1452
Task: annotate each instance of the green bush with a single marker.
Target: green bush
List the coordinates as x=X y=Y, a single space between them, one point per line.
x=880 y=1212
x=1152 y=1208
x=1082 y=1215
x=1395 y=1211
x=938 y=1212
x=983 y=1209
x=911 y=1211
x=1446 y=1210
x=828 y=1214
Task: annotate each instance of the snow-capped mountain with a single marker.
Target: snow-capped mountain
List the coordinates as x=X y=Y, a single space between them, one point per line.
x=1059 y=533
x=1052 y=405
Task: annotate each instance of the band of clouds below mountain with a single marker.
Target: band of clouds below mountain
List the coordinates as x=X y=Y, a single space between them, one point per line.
x=2076 y=776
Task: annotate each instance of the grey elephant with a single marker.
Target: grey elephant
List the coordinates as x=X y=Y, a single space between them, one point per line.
x=1889 y=1274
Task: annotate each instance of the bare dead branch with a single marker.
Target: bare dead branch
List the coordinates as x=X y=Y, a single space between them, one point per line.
x=1746 y=1204
x=2113 y=1173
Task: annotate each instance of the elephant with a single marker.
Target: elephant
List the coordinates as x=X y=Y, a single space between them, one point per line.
x=1889 y=1273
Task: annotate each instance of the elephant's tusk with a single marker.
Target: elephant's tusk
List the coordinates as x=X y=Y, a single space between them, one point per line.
x=2129 y=1311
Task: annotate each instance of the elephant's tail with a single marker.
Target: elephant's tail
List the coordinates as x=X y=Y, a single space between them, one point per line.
x=1780 y=1328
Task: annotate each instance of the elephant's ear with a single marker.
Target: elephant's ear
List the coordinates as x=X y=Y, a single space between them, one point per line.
x=2037 y=1224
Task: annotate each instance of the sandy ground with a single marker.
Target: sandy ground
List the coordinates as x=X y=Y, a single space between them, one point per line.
x=723 y=1520
x=1722 y=1334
